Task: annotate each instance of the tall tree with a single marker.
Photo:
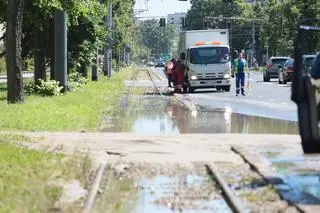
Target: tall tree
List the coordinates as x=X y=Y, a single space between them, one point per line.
x=13 y=50
x=241 y=30
x=158 y=40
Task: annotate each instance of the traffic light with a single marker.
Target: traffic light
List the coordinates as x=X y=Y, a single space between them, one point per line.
x=162 y=22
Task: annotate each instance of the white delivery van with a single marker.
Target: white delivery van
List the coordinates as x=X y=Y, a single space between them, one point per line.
x=208 y=59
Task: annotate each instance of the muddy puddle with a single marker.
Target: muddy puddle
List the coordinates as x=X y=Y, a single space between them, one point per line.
x=188 y=194
x=147 y=188
x=301 y=176
x=156 y=114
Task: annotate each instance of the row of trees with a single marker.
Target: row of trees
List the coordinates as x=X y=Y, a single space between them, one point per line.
x=30 y=34
x=152 y=39
x=274 y=28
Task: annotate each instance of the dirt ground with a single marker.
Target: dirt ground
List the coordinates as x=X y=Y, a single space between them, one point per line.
x=165 y=148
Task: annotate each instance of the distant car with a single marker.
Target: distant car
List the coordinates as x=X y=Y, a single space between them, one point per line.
x=160 y=63
x=307 y=61
x=286 y=71
x=315 y=70
x=150 y=64
x=271 y=70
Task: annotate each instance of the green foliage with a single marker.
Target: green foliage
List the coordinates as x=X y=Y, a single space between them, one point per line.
x=2 y=65
x=277 y=27
x=75 y=81
x=80 y=110
x=241 y=29
x=158 y=40
x=25 y=174
x=48 y=88
x=29 y=88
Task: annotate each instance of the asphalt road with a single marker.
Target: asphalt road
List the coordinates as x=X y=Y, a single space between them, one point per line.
x=263 y=99
x=3 y=78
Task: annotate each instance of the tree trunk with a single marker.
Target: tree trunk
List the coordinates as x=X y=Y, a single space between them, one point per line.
x=13 y=48
x=51 y=49
x=39 y=57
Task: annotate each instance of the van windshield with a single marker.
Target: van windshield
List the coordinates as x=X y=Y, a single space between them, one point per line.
x=209 y=55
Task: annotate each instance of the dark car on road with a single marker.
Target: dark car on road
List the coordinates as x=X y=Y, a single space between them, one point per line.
x=272 y=67
x=160 y=63
x=286 y=71
x=307 y=61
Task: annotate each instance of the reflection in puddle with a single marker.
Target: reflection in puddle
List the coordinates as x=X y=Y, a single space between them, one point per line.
x=153 y=114
x=301 y=176
x=188 y=194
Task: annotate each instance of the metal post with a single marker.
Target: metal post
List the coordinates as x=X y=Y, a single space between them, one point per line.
x=105 y=61
x=60 y=55
x=231 y=33
x=110 y=25
x=253 y=41
x=94 y=76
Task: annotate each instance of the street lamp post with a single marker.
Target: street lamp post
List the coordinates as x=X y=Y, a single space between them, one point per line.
x=107 y=61
x=60 y=49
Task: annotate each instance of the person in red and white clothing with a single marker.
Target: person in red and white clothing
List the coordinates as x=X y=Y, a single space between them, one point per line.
x=169 y=71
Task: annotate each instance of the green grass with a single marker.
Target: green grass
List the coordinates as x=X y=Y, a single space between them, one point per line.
x=25 y=174
x=2 y=65
x=80 y=110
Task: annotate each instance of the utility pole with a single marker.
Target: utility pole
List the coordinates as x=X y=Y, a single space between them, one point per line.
x=107 y=61
x=60 y=49
x=94 y=68
x=267 y=56
x=253 y=42
x=231 y=34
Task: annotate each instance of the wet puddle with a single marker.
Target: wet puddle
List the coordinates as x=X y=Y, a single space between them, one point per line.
x=301 y=176
x=190 y=194
x=155 y=114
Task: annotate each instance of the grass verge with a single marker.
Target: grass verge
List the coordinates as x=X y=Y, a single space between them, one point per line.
x=25 y=174
x=2 y=65
x=80 y=110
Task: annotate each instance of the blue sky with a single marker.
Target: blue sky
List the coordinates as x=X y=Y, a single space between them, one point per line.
x=162 y=7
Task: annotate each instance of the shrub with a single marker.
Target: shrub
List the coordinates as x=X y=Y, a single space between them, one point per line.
x=73 y=86
x=48 y=88
x=2 y=65
x=29 y=88
x=75 y=81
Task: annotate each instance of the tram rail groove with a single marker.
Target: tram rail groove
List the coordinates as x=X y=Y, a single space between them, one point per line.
x=154 y=84
x=232 y=200
x=270 y=179
x=94 y=189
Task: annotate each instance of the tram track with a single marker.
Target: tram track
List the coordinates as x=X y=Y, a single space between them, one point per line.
x=202 y=187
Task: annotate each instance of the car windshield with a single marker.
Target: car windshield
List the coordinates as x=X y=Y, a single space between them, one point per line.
x=279 y=61
x=289 y=63
x=309 y=61
x=209 y=55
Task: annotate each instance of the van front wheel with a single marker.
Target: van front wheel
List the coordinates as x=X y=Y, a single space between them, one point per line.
x=226 y=88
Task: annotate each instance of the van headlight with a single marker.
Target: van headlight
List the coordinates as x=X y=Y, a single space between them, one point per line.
x=193 y=77
x=227 y=75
